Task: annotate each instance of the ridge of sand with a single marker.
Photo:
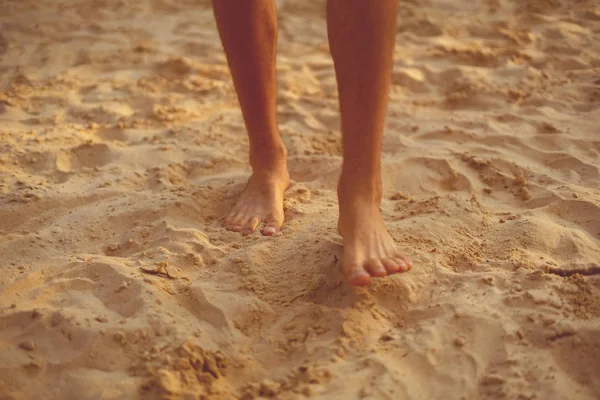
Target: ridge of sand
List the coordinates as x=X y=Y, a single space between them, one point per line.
x=122 y=146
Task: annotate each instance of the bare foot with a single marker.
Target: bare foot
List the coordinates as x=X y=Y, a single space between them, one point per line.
x=369 y=250
x=262 y=201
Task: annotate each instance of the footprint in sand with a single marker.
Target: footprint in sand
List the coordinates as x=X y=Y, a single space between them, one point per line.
x=85 y=155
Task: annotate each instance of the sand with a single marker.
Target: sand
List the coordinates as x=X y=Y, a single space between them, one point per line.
x=122 y=147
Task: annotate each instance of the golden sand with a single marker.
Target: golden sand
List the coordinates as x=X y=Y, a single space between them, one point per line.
x=122 y=147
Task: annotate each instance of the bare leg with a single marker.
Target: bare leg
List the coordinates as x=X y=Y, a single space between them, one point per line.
x=361 y=37
x=248 y=32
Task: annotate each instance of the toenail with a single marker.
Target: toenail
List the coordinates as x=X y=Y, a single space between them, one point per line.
x=269 y=229
x=380 y=269
x=358 y=272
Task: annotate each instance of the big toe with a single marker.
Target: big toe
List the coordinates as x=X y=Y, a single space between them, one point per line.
x=272 y=227
x=358 y=276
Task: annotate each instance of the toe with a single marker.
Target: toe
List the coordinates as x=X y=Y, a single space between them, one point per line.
x=251 y=225
x=239 y=224
x=359 y=277
x=375 y=268
x=390 y=265
x=229 y=224
x=408 y=262
x=271 y=228
x=402 y=267
x=235 y=213
x=234 y=220
x=229 y=220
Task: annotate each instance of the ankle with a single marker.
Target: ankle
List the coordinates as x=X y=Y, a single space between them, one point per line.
x=272 y=158
x=353 y=189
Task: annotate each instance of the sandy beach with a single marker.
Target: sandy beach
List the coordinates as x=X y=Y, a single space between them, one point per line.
x=122 y=147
